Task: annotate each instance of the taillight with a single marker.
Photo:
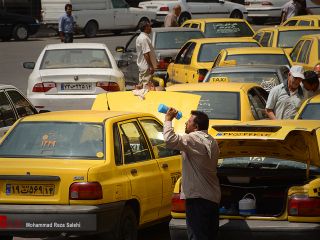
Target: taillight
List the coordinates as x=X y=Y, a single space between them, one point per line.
x=202 y=74
x=178 y=205
x=266 y=3
x=302 y=205
x=164 y=8
x=163 y=63
x=85 y=191
x=43 y=87
x=109 y=86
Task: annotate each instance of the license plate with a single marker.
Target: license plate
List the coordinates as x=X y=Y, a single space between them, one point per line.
x=30 y=189
x=76 y=86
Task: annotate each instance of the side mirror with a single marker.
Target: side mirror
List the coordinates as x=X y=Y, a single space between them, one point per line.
x=29 y=65
x=122 y=63
x=120 y=49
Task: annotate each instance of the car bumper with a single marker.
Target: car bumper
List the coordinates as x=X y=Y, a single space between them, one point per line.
x=40 y=220
x=252 y=229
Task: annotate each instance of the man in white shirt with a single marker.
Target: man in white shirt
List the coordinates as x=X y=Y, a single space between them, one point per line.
x=311 y=83
x=146 y=56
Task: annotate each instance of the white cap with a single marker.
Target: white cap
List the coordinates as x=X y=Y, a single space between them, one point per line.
x=297 y=71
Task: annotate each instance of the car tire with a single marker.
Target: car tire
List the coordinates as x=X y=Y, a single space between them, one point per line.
x=128 y=229
x=183 y=17
x=91 y=29
x=20 y=32
x=236 y=14
x=116 y=32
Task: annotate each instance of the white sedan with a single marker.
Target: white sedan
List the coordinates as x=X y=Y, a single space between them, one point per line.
x=69 y=76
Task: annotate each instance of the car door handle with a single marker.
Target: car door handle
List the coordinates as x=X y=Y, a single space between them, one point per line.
x=134 y=171
x=165 y=165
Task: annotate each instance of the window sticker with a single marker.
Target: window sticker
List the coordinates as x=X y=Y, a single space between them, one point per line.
x=49 y=141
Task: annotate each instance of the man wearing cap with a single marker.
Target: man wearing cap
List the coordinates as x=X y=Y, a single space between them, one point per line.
x=285 y=99
x=311 y=83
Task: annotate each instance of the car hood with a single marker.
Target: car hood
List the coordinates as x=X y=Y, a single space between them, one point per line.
x=295 y=140
x=127 y=101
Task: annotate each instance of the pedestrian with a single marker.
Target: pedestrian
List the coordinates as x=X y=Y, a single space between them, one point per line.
x=146 y=56
x=200 y=184
x=311 y=83
x=290 y=9
x=66 y=24
x=285 y=99
x=171 y=19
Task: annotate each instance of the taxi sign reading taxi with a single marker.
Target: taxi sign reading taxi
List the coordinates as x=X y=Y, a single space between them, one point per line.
x=219 y=79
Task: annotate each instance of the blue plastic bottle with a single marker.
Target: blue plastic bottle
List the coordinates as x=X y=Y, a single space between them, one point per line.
x=163 y=109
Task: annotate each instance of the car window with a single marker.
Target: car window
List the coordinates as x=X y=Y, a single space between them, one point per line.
x=67 y=140
x=209 y=51
x=181 y=54
x=291 y=23
x=194 y=25
x=118 y=158
x=289 y=38
x=7 y=116
x=228 y=29
x=265 y=39
x=174 y=40
x=134 y=144
x=154 y=131
x=131 y=45
x=217 y=60
x=186 y=25
x=258 y=36
x=75 y=58
x=295 y=51
x=119 y=4
x=273 y=59
x=311 y=112
x=23 y=107
x=257 y=105
x=304 y=53
x=305 y=23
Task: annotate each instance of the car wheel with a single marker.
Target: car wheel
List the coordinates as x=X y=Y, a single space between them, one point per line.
x=91 y=29
x=128 y=229
x=183 y=17
x=116 y=32
x=236 y=14
x=20 y=32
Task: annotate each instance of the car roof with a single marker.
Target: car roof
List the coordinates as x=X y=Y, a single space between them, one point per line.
x=253 y=50
x=317 y=36
x=5 y=86
x=246 y=68
x=207 y=20
x=175 y=29
x=289 y=28
x=305 y=17
x=315 y=99
x=212 y=87
x=221 y=40
x=75 y=45
x=81 y=116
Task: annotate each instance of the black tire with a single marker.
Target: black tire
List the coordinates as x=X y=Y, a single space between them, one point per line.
x=20 y=32
x=116 y=32
x=183 y=17
x=236 y=14
x=91 y=29
x=128 y=229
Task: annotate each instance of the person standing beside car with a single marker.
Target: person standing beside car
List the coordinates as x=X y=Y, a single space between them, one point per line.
x=146 y=56
x=200 y=184
x=171 y=19
x=290 y=9
x=66 y=24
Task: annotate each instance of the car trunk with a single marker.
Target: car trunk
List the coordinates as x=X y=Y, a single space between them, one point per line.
x=153 y=5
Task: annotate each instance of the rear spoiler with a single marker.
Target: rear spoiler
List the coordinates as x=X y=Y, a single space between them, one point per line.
x=246 y=128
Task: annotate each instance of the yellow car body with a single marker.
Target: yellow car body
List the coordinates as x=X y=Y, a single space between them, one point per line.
x=276 y=163
x=252 y=56
x=310 y=109
x=221 y=27
x=306 y=52
x=85 y=172
x=283 y=36
x=304 y=20
x=196 y=56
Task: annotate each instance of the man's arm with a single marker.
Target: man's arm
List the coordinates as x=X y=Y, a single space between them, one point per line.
x=271 y=114
x=61 y=29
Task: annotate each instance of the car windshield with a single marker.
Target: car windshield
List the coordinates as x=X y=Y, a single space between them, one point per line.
x=175 y=40
x=75 y=58
x=287 y=39
x=263 y=163
x=209 y=51
x=219 y=105
x=66 y=140
x=267 y=80
x=228 y=29
x=311 y=112
x=256 y=59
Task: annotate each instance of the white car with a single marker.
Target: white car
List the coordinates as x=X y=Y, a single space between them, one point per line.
x=196 y=9
x=69 y=76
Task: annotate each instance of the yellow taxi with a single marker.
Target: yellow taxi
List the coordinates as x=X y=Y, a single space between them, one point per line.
x=85 y=172
x=305 y=20
x=306 y=52
x=283 y=36
x=310 y=109
x=196 y=56
x=221 y=27
x=269 y=174
x=252 y=56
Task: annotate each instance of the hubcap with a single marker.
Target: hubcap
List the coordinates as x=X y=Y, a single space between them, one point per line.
x=22 y=32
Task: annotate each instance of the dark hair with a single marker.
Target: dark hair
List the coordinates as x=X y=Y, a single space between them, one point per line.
x=201 y=120
x=143 y=25
x=67 y=5
x=310 y=77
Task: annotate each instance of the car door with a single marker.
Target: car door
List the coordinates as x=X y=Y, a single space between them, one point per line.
x=207 y=8
x=295 y=52
x=7 y=114
x=177 y=71
x=6 y=24
x=123 y=17
x=257 y=98
x=168 y=160
x=142 y=170
x=22 y=106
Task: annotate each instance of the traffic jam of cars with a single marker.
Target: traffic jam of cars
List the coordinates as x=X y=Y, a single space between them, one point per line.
x=82 y=155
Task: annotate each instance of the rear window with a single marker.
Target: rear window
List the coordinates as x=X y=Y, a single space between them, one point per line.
x=288 y=39
x=175 y=40
x=54 y=140
x=208 y=52
x=256 y=59
x=219 y=105
x=228 y=29
x=311 y=112
x=75 y=58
